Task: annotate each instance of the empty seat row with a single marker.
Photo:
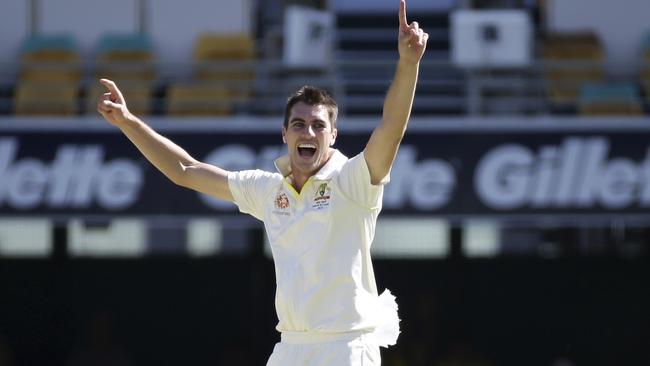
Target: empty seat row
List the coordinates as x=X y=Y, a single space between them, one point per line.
x=52 y=77
x=575 y=76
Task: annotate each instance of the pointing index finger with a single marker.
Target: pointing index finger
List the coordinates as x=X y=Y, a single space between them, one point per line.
x=110 y=85
x=403 y=23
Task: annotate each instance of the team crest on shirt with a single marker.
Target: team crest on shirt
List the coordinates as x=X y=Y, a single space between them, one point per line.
x=322 y=197
x=281 y=203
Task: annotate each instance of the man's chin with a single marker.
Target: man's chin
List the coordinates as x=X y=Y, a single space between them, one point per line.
x=306 y=166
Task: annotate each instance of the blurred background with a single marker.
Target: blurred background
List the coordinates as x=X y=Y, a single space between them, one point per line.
x=515 y=229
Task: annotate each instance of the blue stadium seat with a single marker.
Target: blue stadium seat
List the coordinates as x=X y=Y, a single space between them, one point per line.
x=124 y=42
x=614 y=98
x=61 y=42
x=608 y=92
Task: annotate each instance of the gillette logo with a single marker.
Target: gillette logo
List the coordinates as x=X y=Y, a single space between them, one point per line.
x=578 y=174
x=78 y=177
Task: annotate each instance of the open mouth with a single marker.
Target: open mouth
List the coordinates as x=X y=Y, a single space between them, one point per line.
x=306 y=150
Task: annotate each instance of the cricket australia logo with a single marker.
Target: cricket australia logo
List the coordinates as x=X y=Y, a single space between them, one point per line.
x=322 y=197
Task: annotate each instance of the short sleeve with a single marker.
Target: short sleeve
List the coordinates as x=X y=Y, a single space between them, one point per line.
x=355 y=182
x=249 y=189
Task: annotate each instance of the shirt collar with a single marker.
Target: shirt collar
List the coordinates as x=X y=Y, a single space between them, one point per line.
x=283 y=165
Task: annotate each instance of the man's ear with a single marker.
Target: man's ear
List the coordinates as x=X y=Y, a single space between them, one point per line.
x=284 y=132
x=334 y=134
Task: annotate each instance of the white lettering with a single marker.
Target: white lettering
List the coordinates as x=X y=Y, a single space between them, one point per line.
x=617 y=183
x=577 y=175
x=544 y=176
x=432 y=184
x=7 y=154
x=645 y=180
x=26 y=183
x=568 y=171
x=118 y=184
x=427 y=185
x=503 y=177
x=76 y=178
x=587 y=192
x=61 y=175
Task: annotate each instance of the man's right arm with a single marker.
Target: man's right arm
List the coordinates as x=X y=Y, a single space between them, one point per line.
x=169 y=158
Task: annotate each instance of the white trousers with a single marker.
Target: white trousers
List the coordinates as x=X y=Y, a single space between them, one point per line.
x=353 y=349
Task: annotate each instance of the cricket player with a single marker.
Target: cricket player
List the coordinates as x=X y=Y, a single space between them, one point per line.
x=319 y=211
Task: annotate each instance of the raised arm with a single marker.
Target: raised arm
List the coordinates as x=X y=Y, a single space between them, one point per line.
x=168 y=157
x=382 y=147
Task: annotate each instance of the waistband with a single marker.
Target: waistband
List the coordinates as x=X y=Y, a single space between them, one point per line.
x=385 y=334
x=315 y=337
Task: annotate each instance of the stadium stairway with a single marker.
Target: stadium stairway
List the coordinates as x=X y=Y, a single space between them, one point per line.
x=366 y=46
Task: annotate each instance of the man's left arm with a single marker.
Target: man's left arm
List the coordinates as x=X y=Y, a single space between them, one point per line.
x=381 y=150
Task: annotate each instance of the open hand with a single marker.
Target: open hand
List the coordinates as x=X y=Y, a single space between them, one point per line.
x=412 y=39
x=112 y=105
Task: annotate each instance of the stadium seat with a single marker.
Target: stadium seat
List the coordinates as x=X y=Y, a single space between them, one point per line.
x=46 y=98
x=610 y=99
x=199 y=99
x=219 y=46
x=50 y=72
x=127 y=56
x=222 y=57
x=227 y=60
x=571 y=59
x=50 y=58
x=138 y=95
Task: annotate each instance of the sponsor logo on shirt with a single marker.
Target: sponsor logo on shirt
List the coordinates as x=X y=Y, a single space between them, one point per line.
x=322 y=197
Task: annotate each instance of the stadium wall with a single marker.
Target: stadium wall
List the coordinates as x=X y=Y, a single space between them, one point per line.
x=547 y=168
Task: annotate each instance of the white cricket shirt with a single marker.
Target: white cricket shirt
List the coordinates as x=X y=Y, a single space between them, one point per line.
x=320 y=239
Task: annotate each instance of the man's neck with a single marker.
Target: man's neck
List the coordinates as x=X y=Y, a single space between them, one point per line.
x=298 y=179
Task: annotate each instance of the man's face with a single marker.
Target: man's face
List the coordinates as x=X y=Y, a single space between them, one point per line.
x=308 y=135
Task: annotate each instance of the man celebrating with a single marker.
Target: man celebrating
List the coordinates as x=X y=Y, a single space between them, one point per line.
x=319 y=213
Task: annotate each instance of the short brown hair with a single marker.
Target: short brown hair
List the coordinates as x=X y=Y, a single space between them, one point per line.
x=312 y=95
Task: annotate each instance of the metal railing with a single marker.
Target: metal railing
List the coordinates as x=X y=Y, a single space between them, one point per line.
x=359 y=85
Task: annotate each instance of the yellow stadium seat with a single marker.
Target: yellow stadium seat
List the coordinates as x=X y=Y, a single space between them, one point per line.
x=50 y=57
x=223 y=75
x=571 y=59
x=138 y=95
x=46 y=98
x=220 y=46
x=199 y=99
x=127 y=56
x=611 y=109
